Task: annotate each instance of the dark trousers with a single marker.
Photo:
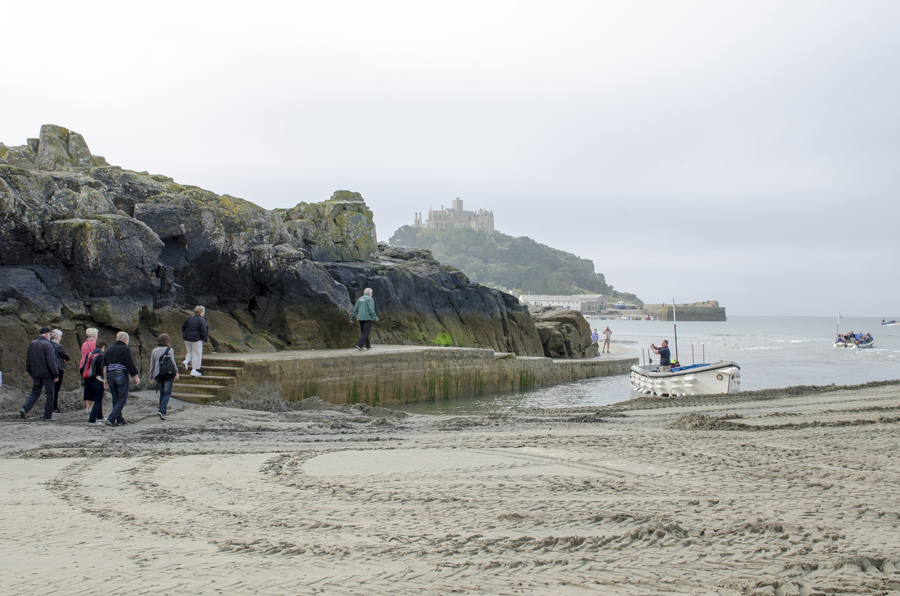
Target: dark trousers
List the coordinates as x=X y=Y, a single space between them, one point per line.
x=165 y=392
x=38 y=383
x=56 y=390
x=93 y=391
x=365 y=328
x=118 y=387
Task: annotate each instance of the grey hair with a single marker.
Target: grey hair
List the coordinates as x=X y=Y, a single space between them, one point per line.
x=91 y=332
x=121 y=336
x=55 y=334
x=199 y=310
x=368 y=291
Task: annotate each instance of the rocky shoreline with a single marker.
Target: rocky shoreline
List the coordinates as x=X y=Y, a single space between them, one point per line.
x=87 y=244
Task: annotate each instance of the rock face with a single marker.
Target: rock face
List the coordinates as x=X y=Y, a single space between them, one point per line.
x=564 y=333
x=85 y=244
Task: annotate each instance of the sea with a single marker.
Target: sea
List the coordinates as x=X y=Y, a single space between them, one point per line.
x=772 y=352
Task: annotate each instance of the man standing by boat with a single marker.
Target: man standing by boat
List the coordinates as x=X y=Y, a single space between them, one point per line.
x=664 y=355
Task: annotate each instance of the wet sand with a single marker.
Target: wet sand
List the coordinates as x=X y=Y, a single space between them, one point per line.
x=793 y=491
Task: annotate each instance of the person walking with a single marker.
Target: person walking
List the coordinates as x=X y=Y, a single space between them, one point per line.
x=93 y=382
x=364 y=311
x=195 y=331
x=89 y=345
x=118 y=365
x=606 y=334
x=160 y=358
x=40 y=364
x=62 y=356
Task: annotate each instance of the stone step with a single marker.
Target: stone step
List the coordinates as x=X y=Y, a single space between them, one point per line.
x=197 y=388
x=197 y=398
x=205 y=380
x=219 y=371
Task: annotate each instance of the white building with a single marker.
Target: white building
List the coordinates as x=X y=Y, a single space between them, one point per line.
x=582 y=302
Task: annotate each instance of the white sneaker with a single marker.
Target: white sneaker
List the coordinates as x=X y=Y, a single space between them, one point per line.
x=196 y=373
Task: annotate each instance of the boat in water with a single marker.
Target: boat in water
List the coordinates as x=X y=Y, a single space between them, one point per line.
x=891 y=323
x=855 y=341
x=694 y=379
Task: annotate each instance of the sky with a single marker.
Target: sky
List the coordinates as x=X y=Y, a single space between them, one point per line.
x=746 y=152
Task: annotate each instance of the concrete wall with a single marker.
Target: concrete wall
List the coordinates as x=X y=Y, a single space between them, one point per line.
x=401 y=374
x=686 y=313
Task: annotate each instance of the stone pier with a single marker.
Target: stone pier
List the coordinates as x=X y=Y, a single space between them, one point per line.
x=384 y=375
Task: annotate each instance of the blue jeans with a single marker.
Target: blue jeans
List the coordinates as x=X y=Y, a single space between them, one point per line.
x=165 y=392
x=38 y=383
x=118 y=387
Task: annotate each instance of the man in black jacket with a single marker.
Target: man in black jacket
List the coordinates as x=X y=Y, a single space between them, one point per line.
x=40 y=364
x=194 y=331
x=118 y=365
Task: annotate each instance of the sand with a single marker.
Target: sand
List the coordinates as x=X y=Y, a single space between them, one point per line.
x=776 y=492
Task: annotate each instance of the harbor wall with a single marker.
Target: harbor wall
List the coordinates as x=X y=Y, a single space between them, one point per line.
x=709 y=311
x=399 y=374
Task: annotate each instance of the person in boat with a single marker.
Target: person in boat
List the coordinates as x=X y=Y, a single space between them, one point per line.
x=664 y=354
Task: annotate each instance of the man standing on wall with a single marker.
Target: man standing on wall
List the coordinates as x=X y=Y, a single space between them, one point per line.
x=40 y=364
x=606 y=334
x=118 y=364
x=364 y=311
x=194 y=331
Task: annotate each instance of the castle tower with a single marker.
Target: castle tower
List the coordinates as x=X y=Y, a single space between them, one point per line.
x=458 y=205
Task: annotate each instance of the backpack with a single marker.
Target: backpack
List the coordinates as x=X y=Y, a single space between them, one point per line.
x=167 y=368
x=96 y=365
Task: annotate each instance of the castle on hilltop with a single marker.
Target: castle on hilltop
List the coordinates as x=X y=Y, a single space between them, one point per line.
x=456 y=217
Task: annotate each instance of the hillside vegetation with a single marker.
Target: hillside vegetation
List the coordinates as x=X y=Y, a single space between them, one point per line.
x=505 y=262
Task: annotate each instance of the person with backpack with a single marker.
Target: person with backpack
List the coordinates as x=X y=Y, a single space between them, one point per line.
x=89 y=345
x=93 y=382
x=164 y=371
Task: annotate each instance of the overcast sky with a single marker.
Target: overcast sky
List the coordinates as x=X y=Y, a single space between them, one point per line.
x=742 y=151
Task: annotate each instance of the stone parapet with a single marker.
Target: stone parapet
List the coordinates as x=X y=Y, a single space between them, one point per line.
x=389 y=375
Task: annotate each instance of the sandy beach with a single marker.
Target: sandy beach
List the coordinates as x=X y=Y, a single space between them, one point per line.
x=791 y=491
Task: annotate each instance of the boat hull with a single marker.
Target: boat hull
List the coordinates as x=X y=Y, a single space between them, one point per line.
x=721 y=377
x=854 y=346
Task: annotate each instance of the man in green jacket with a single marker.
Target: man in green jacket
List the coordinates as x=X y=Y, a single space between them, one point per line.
x=364 y=311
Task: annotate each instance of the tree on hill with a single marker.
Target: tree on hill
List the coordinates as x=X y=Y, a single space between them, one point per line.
x=502 y=261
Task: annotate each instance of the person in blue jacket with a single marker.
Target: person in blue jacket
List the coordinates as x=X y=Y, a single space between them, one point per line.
x=364 y=312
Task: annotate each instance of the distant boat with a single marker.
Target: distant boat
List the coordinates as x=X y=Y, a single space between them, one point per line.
x=891 y=323
x=854 y=341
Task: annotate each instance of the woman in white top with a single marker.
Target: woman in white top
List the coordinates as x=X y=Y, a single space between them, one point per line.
x=164 y=386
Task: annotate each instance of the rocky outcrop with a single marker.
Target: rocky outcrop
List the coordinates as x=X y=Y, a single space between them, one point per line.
x=564 y=333
x=85 y=244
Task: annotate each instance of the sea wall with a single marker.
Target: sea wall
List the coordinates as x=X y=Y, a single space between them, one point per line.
x=397 y=374
x=701 y=311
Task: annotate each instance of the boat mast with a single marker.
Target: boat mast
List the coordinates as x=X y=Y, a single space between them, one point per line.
x=675 y=325
x=838 y=327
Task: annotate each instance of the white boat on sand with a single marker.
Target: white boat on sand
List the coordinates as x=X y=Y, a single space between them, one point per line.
x=694 y=379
